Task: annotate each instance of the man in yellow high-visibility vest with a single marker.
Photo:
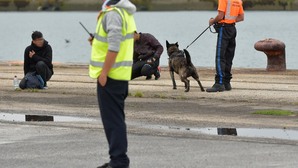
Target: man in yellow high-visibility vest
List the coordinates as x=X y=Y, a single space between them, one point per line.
x=229 y=13
x=111 y=64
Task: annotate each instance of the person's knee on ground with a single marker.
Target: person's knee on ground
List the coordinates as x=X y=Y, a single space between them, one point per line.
x=146 y=70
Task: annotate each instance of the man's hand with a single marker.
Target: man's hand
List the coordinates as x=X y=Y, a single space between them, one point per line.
x=90 y=40
x=109 y=62
x=151 y=61
x=102 y=80
x=141 y=57
x=211 y=21
x=31 y=53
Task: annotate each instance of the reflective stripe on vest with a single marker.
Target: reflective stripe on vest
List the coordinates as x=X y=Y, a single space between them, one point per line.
x=228 y=12
x=105 y=40
x=116 y=65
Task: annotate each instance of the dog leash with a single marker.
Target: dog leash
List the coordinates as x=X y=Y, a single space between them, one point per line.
x=209 y=27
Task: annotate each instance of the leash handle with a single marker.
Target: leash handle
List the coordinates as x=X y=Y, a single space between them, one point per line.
x=209 y=27
x=90 y=34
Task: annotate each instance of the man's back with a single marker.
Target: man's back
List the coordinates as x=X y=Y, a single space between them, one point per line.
x=231 y=8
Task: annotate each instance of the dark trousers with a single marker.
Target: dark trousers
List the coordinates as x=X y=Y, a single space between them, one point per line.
x=111 y=100
x=44 y=71
x=225 y=51
x=142 y=68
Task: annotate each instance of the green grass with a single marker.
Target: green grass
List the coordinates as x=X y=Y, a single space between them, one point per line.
x=160 y=96
x=139 y=94
x=18 y=90
x=274 y=112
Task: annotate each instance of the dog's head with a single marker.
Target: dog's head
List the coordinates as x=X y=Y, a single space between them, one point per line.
x=172 y=48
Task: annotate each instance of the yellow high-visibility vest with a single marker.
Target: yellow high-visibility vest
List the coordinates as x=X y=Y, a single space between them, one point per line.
x=122 y=69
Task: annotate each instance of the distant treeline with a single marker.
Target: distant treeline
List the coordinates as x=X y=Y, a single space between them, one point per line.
x=42 y=4
x=251 y=3
x=247 y=4
x=144 y=4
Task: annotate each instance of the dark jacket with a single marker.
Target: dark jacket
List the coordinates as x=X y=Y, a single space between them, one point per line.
x=147 y=47
x=41 y=54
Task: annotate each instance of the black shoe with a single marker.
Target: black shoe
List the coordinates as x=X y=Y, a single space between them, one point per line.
x=228 y=86
x=107 y=165
x=216 y=88
x=149 y=77
x=157 y=75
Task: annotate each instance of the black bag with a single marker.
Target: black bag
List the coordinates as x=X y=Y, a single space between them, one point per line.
x=32 y=81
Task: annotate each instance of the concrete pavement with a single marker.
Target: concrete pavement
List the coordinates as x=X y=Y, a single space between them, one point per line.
x=72 y=93
x=27 y=146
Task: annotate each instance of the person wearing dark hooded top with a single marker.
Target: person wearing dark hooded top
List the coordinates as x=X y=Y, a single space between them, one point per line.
x=38 y=57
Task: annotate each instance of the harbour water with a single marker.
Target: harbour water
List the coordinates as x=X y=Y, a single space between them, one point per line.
x=69 y=40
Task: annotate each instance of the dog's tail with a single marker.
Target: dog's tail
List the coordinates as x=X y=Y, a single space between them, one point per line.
x=188 y=58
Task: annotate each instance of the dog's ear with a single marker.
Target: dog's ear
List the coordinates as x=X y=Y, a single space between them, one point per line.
x=168 y=44
x=177 y=44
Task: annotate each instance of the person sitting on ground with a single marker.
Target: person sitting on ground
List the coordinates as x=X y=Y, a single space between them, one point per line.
x=38 y=59
x=147 y=52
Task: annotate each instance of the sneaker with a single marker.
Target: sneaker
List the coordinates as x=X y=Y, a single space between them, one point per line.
x=228 y=86
x=216 y=88
x=157 y=75
x=106 y=165
x=149 y=77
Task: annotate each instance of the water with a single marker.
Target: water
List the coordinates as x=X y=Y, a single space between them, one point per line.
x=252 y=132
x=59 y=27
x=283 y=134
x=28 y=118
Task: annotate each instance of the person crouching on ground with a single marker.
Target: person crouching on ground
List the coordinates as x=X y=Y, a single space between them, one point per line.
x=38 y=58
x=147 y=52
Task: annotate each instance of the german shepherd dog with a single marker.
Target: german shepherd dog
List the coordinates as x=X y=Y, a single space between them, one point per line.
x=180 y=63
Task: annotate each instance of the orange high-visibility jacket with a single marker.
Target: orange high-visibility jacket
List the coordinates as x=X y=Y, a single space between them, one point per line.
x=231 y=8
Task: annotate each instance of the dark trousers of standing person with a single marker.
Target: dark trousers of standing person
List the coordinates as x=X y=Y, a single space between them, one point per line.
x=111 y=100
x=44 y=71
x=225 y=51
x=142 y=68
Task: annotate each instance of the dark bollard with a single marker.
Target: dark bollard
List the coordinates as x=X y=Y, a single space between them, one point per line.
x=276 y=53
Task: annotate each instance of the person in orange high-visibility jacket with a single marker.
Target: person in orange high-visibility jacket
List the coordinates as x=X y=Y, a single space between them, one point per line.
x=229 y=13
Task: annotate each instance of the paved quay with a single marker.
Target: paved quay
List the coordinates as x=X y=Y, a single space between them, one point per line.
x=82 y=144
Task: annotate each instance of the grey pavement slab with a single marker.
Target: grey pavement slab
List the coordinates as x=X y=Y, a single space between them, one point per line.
x=27 y=146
